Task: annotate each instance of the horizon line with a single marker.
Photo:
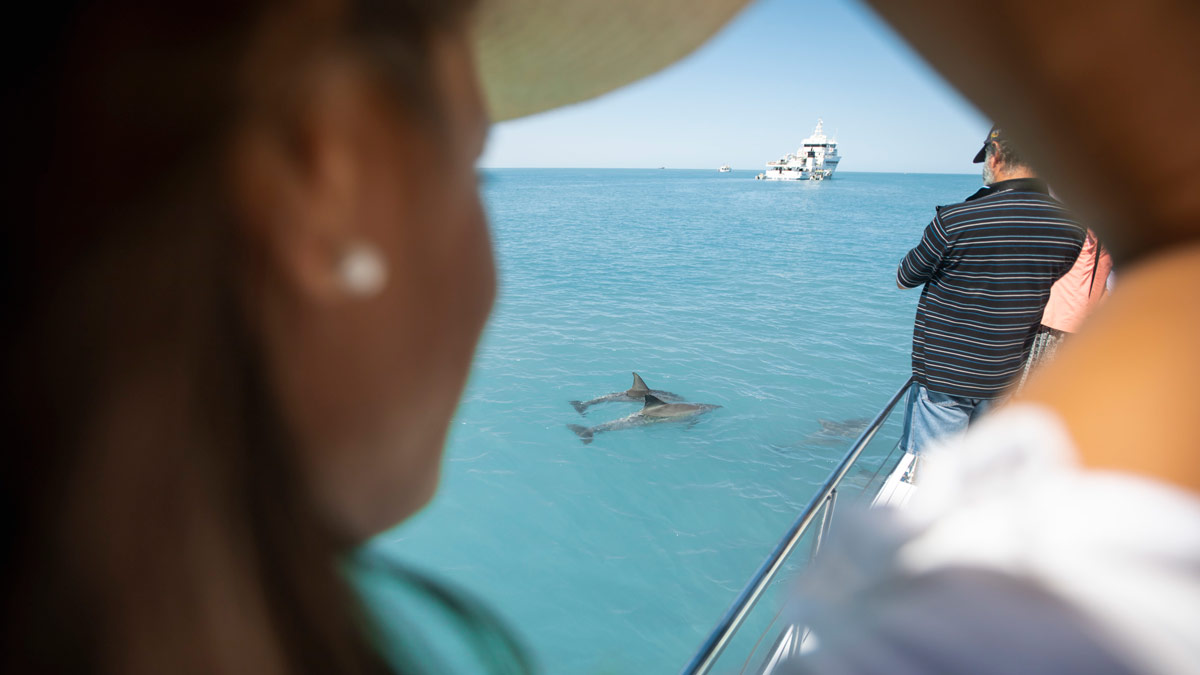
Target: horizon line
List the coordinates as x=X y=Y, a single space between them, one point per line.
x=672 y=168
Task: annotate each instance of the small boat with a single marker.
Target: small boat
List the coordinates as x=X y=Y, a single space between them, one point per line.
x=725 y=168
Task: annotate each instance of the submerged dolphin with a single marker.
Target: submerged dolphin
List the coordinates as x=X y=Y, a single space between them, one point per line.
x=834 y=433
x=635 y=393
x=850 y=427
x=655 y=410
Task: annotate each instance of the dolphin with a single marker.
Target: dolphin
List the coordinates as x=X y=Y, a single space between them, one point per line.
x=834 y=433
x=654 y=411
x=635 y=393
x=850 y=427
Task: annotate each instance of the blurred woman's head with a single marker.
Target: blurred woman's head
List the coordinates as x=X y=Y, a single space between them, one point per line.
x=246 y=267
x=373 y=271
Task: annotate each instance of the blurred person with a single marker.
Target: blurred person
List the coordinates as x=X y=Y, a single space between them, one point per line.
x=1071 y=299
x=245 y=270
x=986 y=266
x=1062 y=534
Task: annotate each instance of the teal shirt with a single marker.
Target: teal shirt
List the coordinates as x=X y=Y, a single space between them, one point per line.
x=421 y=626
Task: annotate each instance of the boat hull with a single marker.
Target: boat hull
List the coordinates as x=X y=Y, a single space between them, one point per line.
x=823 y=174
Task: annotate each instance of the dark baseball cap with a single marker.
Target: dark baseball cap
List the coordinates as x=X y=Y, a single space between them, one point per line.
x=996 y=134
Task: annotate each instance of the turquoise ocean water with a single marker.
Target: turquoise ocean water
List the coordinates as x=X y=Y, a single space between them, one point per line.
x=775 y=300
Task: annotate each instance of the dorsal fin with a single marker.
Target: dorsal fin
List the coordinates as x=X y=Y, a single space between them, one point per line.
x=638 y=384
x=652 y=401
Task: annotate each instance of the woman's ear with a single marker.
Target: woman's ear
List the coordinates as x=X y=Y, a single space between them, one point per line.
x=298 y=183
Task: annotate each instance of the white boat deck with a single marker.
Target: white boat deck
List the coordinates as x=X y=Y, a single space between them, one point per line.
x=899 y=486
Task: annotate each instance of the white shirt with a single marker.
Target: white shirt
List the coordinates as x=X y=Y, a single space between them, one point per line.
x=1115 y=555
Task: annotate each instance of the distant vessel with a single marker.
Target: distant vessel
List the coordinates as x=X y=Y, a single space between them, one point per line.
x=816 y=159
x=725 y=168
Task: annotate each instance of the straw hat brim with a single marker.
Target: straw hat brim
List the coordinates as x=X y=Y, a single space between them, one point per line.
x=536 y=55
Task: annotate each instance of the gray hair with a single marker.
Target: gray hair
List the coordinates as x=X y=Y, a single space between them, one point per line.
x=1005 y=152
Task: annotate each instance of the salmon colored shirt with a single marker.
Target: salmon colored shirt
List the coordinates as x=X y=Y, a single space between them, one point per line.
x=1074 y=295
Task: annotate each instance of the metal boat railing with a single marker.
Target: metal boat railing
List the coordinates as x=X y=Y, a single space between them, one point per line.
x=822 y=502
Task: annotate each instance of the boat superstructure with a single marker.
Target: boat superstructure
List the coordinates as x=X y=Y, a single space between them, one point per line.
x=816 y=159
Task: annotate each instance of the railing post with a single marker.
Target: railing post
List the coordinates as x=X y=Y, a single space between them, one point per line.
x=826 y=521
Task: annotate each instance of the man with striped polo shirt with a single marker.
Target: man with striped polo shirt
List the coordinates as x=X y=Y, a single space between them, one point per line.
x=987 y=265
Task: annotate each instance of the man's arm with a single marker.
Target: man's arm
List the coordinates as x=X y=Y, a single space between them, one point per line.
x=920 y=264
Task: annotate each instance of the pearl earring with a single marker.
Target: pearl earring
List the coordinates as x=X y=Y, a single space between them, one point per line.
x=362 y=269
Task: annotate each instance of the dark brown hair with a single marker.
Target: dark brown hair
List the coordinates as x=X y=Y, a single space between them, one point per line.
x=152 y=517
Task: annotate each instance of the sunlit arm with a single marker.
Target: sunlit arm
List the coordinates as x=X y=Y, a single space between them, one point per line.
x=923 y=261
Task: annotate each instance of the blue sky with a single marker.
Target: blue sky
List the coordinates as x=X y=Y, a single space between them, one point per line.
x=737 y=100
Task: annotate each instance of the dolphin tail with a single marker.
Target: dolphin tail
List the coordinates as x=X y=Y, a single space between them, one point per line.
x=580 y=406
x=585 y=434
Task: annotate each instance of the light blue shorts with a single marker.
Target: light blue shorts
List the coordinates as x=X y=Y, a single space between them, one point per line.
x=930 y=416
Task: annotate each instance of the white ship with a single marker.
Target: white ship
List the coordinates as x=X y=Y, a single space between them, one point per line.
x=816 y=159
x=725 y=168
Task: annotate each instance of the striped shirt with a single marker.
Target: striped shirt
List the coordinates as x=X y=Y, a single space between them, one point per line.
x=987 y=265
